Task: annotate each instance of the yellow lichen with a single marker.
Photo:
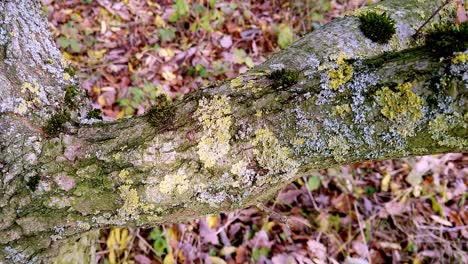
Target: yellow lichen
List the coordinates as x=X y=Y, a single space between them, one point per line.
x=22 y=107
x=442 y=125
x=123 y=174
x=339 y=147
x=342 y=74
x=131 y=201
x=341 y=110
x=236 y=82
x=177 y=181
x=461 y=57
x=271 y=155
x=215 y=116
x=239 y=168
x=400 y=103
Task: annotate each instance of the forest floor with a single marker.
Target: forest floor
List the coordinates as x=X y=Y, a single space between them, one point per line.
x=128 y=53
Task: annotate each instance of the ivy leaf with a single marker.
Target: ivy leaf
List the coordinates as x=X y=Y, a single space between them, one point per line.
x=313 y=183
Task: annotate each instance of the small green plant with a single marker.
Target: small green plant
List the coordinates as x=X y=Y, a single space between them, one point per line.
x=70 y=92
x=377 y=27
x=445 y=39
x=283 y=78
x=94 y=114
x=56 y=124
x=33 y=182
x=160 y=244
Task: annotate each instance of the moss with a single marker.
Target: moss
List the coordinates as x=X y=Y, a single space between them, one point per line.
x=70 y=92
x=445 y=39
x=450 y=130
x=162 y=114
x=94 y=114
x=215 y=117
x=399 y=101
x=342 y=74
x=70 y=70
x=377 y=27
x=56 y=124
x=33 y=182
x=283 y=78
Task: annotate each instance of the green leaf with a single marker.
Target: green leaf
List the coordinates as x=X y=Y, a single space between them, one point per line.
x=63 y=41
x=239 y=56
x=285 y=35
x=313 y=183
x=160 y=246
x=156 y=233
x=166 y=34
x=181 y=7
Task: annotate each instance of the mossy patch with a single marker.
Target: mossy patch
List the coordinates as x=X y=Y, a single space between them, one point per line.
x=445 y=39
x=33 y=182
x=162 y=114
x=342 y=74
x=94 y=114
x=70 y=92
x=215 y=117
x=377 y=27
x=56 y=124
x=283 y=78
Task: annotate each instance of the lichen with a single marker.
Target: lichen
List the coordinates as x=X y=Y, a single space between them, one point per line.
x=402 y=106
x=399 y=103
x=460 y=57
x=339 y=146
x=177 y=181
x=215 y=117
x=271 y=155
x=341 y=110
x=131 y=202
x=342 y=74
x=444 y=127
x=236 y=82
x=377 y=27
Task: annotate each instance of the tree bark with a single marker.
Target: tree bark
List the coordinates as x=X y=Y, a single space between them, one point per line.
x=224 y=147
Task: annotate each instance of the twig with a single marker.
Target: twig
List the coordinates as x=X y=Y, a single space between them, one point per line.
x=430 y=18
x=361 y=229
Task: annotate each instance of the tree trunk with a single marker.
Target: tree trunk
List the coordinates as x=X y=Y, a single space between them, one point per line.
x=339 y=99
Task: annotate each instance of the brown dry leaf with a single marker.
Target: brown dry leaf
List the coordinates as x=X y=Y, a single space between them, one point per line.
x=317 y=251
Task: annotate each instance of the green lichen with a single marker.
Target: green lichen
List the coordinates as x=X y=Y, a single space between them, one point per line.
x=342 y=74
x=215 y=117
x=271 y=155
x=236 y=82
x=283 y=78
x=400 y=101
x=94 y=114
x=56 y=124
x=341 y=110
x=339 y=146
x=460 y=57
x=131 y=201
x=177 y=182
x=377 y=27
x=445 y=39
x=402 y=106
x=450 y=130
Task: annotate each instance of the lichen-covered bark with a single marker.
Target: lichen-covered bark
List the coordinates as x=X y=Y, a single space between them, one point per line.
x=224 y=147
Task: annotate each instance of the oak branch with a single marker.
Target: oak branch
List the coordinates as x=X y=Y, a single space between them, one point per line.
x=333 y=97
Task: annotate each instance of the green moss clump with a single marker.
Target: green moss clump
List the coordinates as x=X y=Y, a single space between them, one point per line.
x=94 y=114
x=283 y=78
x=71 y=71
x=377 y=27
x=445 y=39
x=161 y=114
x=33 y=182
x=56 y=124
x=70 y=92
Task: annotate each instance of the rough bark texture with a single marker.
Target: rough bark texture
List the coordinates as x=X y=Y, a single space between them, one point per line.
x=224 y=147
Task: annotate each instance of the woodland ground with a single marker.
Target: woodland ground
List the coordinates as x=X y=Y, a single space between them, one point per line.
x=128 y=53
